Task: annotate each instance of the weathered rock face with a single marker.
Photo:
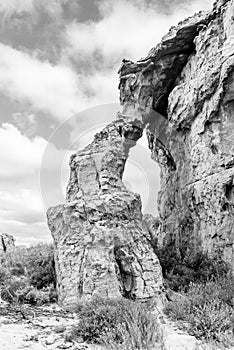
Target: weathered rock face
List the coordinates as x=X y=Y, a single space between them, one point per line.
x=152 y=226
x=7 y=243
x=189 y=79
x=102 y=246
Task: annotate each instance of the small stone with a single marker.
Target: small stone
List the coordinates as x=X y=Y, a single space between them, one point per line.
x=80 y=340
x=64 y=346
x=33 y=337
x=68 y=336
x=59 y=329
x=5 y=320
x=50 y=340
x=178 y=342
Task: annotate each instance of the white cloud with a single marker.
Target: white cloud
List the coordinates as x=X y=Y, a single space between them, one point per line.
x=10 y=7
x=52 y=89
x=18 y=6
x=23 y=205
x=26 y=122
x=127 y=29
x=26 y=234
x=19 y=156
x=22 y=210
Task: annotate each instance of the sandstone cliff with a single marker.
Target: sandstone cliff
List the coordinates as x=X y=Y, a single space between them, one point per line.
x=183 y=93
x=102 y=246
x=189 y=79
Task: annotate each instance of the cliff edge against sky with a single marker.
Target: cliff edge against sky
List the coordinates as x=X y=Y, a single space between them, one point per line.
x=183 y=94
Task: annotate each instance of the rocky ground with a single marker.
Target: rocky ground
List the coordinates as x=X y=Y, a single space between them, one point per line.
x=38 y=328
x=49 y=328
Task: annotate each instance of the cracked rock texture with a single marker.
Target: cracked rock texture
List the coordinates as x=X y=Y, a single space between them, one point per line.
x=7 y=243
x=102 y=246
x=188 y=82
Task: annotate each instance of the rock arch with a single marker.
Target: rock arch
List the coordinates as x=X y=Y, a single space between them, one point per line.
x=189 y=79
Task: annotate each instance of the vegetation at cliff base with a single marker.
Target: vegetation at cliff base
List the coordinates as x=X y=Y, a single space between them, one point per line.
x=206 y=311
x=27 y=275
x=180 y=269
x=118 y=324
x=202 y=301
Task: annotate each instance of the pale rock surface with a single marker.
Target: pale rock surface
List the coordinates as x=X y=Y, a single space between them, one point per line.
x=181 y=342
x=189 y=79
x=101 y=245
x=38 y=331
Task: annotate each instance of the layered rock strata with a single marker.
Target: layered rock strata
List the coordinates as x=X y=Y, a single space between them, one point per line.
x=188 y=81
x=102 y=247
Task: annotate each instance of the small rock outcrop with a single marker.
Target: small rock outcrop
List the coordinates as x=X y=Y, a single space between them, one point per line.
x=189 y=80
x=102 y=247
x=7 y=243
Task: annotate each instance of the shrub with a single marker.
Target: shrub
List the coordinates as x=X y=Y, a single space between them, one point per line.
x=179 y=271
x=14 y=289
x=4 y=274
x=17 y=269
x=39 y=297
x=206 y=310
x=39 y=264
x=28 y=276
x=19 y=290
x=119 y=324
x=36 y=263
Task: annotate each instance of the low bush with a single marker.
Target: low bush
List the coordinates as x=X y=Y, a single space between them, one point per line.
x=204 y=306
x=14 y=289
x=28 y=275
x=37 y=262
x=119 y=324
x=19 y=290
x=206 y=310
x=179 y=270
x=41 y=296
x=4 y=275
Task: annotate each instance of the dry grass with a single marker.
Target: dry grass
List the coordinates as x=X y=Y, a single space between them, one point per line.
x=206 y=311
x=119 y=324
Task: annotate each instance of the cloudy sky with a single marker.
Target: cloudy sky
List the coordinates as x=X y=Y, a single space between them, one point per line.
x=58 y=85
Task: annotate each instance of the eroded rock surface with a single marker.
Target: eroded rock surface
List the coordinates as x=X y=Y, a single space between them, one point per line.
x=189 y=80
x=102 y=246
x=42 y=328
